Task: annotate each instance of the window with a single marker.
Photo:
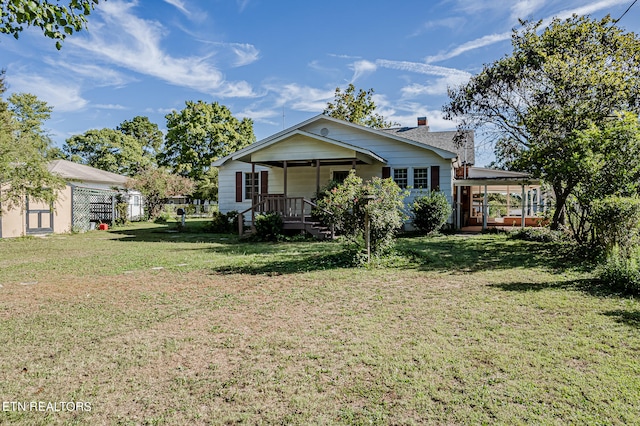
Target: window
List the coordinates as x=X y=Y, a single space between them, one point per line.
x=420 y=178
x=251 y=183
x=400 y=177
x=340 y=175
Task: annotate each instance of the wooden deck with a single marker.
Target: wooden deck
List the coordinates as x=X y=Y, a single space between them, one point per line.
x=296 y=214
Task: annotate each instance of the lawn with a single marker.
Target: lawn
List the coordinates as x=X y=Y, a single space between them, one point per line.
x=151 y=326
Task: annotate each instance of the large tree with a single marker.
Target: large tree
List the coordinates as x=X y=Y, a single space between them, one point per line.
x=356 y=108
x=23 y=166
x=558 y=81
x=56 y=20
x=146 y=132
x=108 y=149
x=200 y=134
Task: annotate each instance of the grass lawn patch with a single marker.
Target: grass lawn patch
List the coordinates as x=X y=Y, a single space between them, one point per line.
x=153 y=326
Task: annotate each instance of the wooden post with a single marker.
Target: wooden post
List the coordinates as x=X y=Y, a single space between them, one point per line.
x=317 y=177
x=485 y=209
x=284 y=170
x=523 y=207
x=253 y=193
x=458 y=207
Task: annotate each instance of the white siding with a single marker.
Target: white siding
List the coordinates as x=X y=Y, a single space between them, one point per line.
x=301 y=181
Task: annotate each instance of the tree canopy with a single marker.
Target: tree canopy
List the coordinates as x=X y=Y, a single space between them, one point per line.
x=23 y=166
x=200 y=134
x=356 y=108
x=557 y=82
x=145 y=132
x=55 y=20
x=109 y=150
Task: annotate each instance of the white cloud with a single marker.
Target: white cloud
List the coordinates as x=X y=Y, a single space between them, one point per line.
x=523 y=5
x=301 y=98
x=111 y=106
x=448 y=77
x=63 y=97
x=179 y=4
x=242 y=4
x=243 y=53
x=524 y=9
x=470 y=45
x=101 y=75
x=133 y=43
x=361 y=69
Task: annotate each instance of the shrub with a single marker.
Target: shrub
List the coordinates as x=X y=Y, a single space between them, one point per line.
x=223 y=223
x=617 y=223
x=268 y=227
x=542 y=235
x=620 y=271
x=350 y=203
x=430 y=212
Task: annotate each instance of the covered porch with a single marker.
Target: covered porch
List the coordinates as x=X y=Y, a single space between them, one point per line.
x=297 y=167
x=497 y=198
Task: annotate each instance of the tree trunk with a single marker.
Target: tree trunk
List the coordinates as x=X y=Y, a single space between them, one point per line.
x=559 y=213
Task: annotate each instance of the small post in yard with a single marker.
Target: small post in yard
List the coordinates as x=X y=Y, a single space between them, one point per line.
x=182 y=213
x=367 y=226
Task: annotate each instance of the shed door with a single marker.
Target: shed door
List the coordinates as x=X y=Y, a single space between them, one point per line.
x=39 y=218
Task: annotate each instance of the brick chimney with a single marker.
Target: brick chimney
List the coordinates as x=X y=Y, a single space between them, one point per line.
x=422 y=121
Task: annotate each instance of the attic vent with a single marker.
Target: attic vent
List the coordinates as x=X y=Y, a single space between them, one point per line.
x=324 y=131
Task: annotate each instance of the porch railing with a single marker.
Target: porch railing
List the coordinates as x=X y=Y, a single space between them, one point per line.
x=292 y=209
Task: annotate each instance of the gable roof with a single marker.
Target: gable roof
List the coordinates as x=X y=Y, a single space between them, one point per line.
x=238 y=155
x=443 y=151
x=443 y=140
x=80 y=172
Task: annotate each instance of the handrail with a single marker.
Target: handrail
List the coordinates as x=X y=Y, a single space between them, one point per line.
x=266 y=199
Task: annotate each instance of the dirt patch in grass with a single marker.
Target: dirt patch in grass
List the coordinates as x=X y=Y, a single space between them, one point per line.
x=203 y=344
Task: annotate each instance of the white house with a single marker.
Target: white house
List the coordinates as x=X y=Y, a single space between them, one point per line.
x=284 y=172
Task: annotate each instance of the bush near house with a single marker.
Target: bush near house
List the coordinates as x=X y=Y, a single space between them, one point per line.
x=268 y=227
x=223 y=223
x=353 y=201
x=430 y=212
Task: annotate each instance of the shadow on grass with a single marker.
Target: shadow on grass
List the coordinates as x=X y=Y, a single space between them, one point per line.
x=589 y=286
x=487 y=252
x=452 y=254
x=630 y=318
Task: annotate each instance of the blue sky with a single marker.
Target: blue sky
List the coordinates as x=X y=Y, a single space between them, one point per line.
x=277 y=62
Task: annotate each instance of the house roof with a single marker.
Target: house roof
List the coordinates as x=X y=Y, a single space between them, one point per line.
x=80 y=172
x=485 y=176
x=445 y=151
x=442 y=140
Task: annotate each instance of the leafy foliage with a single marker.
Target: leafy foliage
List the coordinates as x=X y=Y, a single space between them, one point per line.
x=23 y=144
x=556 y=83
x=56 y=21
x=356 y=108
x=609 y=170
x=223 y=223
x=268 y=227
x=157 y=185
x=200 y=134
x=146 y=133
x=621 y=271
x=350 y=203
x=430 y=212
x=617 y=223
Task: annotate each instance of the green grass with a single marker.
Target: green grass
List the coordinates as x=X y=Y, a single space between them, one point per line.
x=453 y=330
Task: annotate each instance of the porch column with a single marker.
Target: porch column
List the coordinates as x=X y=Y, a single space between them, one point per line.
x=508 y=201
x=253 y=192
x=317 y=177
x=284 y=170
x=353 y=164
x=523 y=207
x=458 y=207
x=485 y=208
